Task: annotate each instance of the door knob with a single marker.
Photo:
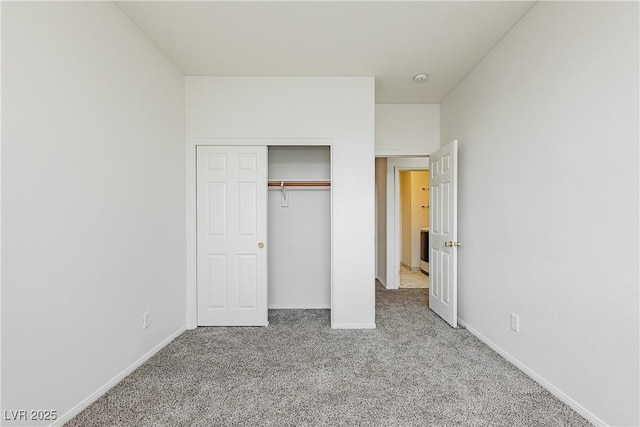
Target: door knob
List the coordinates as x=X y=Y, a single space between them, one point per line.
x=452 y=244
x=261 y=245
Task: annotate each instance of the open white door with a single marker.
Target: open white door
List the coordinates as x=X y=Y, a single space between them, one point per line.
x=443 y=233
x=231 y=235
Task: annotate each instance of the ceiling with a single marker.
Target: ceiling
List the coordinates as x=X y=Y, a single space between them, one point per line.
x=390 y=40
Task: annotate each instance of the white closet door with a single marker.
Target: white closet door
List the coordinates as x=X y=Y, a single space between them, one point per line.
x=231 y=235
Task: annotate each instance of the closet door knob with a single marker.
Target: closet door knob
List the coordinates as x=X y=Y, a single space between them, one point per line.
x=261 y=245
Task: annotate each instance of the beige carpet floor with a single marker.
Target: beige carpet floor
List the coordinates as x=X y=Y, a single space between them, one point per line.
x=413 y=370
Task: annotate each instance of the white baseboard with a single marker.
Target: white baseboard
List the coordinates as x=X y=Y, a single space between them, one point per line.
x=105 y=388
x=384 y=283
x=353 y=325
x=306 y=307
x=536 y=377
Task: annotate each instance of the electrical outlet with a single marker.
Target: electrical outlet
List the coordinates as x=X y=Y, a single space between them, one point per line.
x=145 y=320
x=515 y=323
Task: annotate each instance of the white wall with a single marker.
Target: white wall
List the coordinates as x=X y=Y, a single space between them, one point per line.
x=381 y=220
x=407 y=129
x=337 y=109
x=93 y=201
x=299 y=233
x=548 y=201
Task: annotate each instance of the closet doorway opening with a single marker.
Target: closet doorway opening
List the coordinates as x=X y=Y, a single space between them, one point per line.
x=263 y=231
x=299 y=227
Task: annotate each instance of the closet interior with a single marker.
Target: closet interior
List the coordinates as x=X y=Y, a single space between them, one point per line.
x=299 y=227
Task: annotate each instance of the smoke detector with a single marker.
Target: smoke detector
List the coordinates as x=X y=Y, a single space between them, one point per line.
x=420 y=78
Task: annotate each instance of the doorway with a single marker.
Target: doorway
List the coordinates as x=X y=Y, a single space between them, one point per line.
x=299 y=227
x=388 y=221
x=414 y=229
x=443 y=230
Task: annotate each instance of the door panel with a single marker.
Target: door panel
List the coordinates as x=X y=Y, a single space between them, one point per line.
x=443 y=233
x=217 y=201
x=231 y=222
x=247 y=195
x=248 y=281
x=434 y=273
x=217 y=281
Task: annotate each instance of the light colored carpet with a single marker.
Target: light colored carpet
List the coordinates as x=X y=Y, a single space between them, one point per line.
x=413 y=370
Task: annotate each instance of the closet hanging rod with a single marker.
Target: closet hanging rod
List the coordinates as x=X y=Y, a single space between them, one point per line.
x=300 y=183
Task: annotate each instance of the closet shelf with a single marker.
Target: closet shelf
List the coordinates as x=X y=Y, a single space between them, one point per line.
x=299 y=183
